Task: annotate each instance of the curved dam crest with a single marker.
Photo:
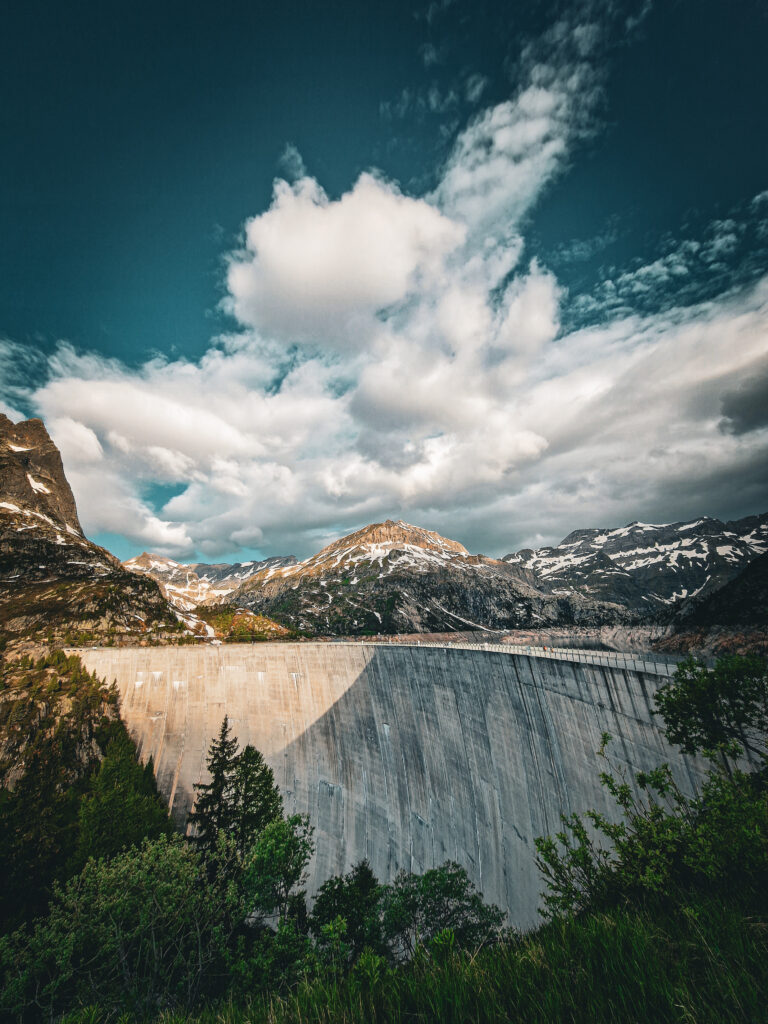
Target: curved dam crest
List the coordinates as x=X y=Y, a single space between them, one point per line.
x=406 y=755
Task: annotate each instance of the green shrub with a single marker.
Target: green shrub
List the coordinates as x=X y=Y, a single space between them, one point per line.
x=140 y=931
x=354 y=898
x=417 y=907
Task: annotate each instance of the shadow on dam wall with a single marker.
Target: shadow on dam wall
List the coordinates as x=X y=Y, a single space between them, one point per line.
x=408 y=756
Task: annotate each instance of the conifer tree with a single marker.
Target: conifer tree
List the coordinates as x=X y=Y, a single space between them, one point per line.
x=257 y=798
x=214 y=808
x=123 y=807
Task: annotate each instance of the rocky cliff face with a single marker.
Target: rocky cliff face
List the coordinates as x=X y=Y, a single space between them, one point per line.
x=53 y=580
x=393 y=577
x=32 y=474
x=649 y=569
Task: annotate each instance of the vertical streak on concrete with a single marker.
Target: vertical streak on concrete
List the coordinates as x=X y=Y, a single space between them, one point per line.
x=405 y=755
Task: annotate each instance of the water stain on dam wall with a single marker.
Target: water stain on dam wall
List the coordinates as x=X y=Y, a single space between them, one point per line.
x=408 y=756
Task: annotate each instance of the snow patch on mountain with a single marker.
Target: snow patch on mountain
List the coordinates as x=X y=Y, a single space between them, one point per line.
x=662 y=563
x=186 y=586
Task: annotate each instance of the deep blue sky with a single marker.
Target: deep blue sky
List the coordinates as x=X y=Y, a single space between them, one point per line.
x=139 y=137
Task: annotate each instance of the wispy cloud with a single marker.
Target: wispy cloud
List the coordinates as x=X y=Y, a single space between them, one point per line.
x=291 y=163
x=727 y=253
x=474 y=87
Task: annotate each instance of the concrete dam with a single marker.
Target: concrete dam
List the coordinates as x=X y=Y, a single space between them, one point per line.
x=409 y=755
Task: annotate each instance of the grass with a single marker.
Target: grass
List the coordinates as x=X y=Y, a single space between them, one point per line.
x=702 y=964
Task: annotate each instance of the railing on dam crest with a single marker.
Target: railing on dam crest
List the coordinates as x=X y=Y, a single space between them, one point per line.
x=659 y=665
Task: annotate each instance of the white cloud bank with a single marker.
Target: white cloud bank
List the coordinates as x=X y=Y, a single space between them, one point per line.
x=395 y=358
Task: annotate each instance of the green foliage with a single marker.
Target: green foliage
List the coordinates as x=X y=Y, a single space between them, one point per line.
x=354 y=898
x=241 y=799
x=256 y=798
x=139 y=931
x=664 y=845
x=275 y=865
x=702 y=963
x=332 y=946
x=56 y=724
x=417 y=907
x=123 y=807
x=261 y=960
x=215 y=800
x=661 y=843
x=723 y=710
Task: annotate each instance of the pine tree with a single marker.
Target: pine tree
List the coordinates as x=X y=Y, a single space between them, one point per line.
x=214 y=809
x=257 y=798
x=123 y=807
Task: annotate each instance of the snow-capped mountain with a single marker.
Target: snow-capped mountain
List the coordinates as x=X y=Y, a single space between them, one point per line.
x=187 y=586
x=52 y=578
x=648 y=567
x=733 y=619
x=388 y=577
x=394 y=577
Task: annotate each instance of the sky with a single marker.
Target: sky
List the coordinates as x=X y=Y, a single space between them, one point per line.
x=499 y=269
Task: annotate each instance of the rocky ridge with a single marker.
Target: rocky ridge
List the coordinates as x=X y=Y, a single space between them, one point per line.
x=733 y=619
x=392 y=577
x=54 y=582
x=188 y=586
x=648 y=568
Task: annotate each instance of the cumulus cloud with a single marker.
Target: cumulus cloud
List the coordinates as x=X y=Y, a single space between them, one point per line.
x=498 y=443
x=317 y=271
x=397 y=355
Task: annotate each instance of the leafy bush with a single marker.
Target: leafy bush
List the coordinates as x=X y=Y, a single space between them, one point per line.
x=723 y=710
x=354 y=898
x=666 y=844
x=417 y=907
x=275 y=865
x=139 y=931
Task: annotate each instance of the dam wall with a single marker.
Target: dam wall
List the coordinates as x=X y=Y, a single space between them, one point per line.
x=409 y=755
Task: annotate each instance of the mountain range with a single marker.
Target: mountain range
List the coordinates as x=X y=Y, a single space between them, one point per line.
x=394 y=577
x=388 y=577
x=188 y=586
x=645 y=566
